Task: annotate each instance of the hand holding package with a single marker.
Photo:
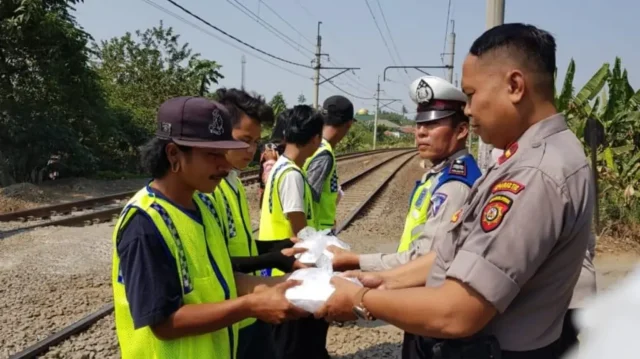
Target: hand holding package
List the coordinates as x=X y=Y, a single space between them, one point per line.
x=315 y=290
x=316 y=243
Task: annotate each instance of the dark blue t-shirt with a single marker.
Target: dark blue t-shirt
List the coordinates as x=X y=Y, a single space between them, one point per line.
x=149 y=270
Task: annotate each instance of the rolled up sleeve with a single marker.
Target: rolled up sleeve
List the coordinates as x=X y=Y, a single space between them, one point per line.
x=510 y=236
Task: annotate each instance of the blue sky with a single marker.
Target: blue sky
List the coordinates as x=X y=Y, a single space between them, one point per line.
x=590 y=31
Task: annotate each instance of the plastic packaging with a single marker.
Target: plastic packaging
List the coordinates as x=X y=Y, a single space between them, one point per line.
x=609 y=320
x=316 y=243
x=315 y=289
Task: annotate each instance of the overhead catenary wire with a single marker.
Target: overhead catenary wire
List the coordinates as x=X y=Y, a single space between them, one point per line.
x=265 y=24
x=375 y=21
x=174 y=3
x=384 y=19
x=286 y=22
x=204 y=31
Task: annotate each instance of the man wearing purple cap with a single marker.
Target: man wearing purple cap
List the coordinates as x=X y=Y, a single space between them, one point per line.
x=175 y=293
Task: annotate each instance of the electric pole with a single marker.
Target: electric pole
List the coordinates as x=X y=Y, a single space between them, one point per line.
x=318 y=66
x=495 y=17
x=243 y=61
x=450 y=52
x=375 y=117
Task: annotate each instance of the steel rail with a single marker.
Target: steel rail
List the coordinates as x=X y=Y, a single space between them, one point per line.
x=86 y=322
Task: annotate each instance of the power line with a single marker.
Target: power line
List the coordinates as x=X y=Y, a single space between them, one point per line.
x=235 y=38
x=380 y=32
x=289 y=41
x=384 y=19
x=286 y=22
x=345 y=92
x=170 y=13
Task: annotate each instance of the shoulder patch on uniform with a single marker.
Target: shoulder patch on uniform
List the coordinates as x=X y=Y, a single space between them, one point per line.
x=437 y=200
x=458 y=167
x=456 y=216
x=507 y=186
x=493 y=212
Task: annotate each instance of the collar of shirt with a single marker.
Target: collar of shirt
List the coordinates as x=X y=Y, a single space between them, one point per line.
x=232 y=177
x=441 y=166
x=534 y=135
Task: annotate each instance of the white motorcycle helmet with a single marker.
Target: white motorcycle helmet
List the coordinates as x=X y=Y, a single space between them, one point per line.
x=436 y=98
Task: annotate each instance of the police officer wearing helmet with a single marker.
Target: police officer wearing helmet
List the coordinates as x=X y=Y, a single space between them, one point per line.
x=441 y=134
x=500 y=282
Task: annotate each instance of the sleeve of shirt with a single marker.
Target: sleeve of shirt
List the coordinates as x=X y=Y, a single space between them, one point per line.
x=292 y=192
x=510 y=237
x=263 y=261
x=449 y=198
x=317 y=173
x=149 y=271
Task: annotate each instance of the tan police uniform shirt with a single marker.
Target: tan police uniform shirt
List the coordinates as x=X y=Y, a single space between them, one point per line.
x=434 y=228
x=521 y=236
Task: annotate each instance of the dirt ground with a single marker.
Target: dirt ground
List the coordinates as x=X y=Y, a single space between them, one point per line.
x=51 y=277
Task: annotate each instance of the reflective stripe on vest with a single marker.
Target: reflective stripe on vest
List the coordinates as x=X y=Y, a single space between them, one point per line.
x=273 y=222
x=421 y=197
x=238 y=223
x=325 y=209
x=204 y=270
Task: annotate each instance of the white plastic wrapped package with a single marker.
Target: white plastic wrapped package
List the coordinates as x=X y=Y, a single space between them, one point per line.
x=315 y=289
x=316 y=243
x=608 y=322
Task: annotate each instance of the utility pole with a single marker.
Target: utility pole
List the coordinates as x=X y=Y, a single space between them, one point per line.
x=450 y=52
x=375 y=117
x=318 y=66
x=243 y=61
x=495 y=17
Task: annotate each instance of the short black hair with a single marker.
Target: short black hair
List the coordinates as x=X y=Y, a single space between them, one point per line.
x=301 y=124
x=153 y=157
x=530 y=46
x=277 y=135
x=239 y=102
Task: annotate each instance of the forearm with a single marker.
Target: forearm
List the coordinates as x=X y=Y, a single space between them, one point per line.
x=381 y=261
x=452 y=310
x=271 y=246
x=412 y=274
x=196 y=319
x=297 y=221
x=247 y=284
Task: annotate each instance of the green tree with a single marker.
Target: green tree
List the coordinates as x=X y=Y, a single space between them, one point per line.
x=140 y=72
x=301 y=99
x=50 y=99
x=278 y=104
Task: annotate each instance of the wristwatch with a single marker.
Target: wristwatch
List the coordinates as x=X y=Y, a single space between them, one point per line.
x=359 y=309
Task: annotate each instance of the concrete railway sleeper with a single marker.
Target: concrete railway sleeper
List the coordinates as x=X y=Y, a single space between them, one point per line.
x=360 y=190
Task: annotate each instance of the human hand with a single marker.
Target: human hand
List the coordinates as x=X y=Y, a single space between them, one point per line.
x=271 y=306
x=290 y=252
x=339 y=307
x=295 y=239
x=343 y=259
x=374 y=280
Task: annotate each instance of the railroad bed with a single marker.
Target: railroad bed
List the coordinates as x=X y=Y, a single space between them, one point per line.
x=53 y=276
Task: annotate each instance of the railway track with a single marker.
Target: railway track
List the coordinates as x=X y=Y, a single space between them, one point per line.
x=111 y=204
x=370 y=183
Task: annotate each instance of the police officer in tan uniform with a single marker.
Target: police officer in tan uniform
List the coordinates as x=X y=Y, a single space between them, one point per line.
x=501 y=281
x=441 y=135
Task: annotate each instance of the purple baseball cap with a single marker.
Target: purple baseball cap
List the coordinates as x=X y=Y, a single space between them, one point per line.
x=196 y=122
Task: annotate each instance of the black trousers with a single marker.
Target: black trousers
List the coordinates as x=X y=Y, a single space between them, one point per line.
x=304 y=338
x=417 y=347
x=569 y=336
x=256 y=341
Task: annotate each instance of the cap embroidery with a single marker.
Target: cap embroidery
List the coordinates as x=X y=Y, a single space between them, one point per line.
x=165 y=128
x=424 y=92
x=216 y=127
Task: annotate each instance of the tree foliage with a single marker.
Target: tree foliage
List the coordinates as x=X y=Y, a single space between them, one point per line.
x=50 y=100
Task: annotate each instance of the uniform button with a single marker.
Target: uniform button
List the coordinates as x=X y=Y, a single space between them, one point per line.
x=535 y=144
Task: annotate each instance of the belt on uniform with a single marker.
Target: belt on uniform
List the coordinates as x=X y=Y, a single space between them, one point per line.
x=483 y=347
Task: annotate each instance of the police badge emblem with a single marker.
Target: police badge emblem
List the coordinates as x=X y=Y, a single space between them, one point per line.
x=424 y=92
